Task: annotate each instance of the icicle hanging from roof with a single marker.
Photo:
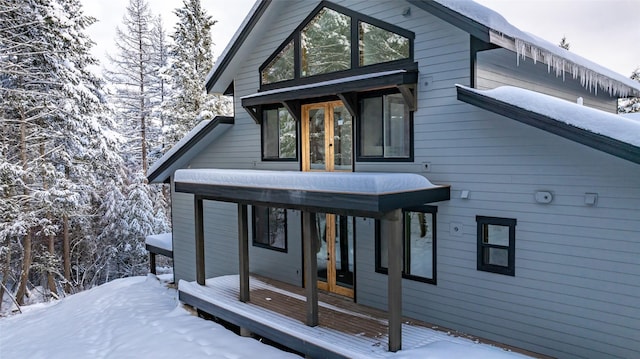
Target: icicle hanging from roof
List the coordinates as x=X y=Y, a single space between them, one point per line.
x=589 y=79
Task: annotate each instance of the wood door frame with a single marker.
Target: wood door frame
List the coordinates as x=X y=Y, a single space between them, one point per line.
x=328 y=131
x=331 y=285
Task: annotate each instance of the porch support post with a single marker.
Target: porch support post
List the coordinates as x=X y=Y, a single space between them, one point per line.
x=199 y=224
x=243 y=250
x=391 y=228
x=310 y=268
x=152 y=262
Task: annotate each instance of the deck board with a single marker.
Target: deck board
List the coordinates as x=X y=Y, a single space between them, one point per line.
x=346 y=329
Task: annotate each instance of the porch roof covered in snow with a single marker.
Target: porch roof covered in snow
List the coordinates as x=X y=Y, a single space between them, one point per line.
x=363 y=194
x=613 y=134
x=377 y=195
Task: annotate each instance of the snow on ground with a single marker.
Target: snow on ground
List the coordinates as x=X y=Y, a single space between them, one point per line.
x=140 y=317
x=127 y=318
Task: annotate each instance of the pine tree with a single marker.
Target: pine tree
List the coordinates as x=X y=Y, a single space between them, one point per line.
x=131 y=74
x=564 y=43
x=190 y=62
x=630 y=104
x=53 y=112
x=159 y=87
x=131 y=209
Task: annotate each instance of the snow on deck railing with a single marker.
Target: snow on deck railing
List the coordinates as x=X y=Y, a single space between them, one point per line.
x=339 y=182
x=162 y=241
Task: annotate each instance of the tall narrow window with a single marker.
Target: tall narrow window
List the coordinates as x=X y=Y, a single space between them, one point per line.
x=270 y=228
x=419 y=246
x=496 y=244
x=279 y=135
x=385 y=128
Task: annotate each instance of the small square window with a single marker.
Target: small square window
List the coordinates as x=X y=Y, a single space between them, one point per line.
x=496 y=244
x=270 y=228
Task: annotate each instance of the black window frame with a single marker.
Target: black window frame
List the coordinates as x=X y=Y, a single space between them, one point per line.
x=359 y=127
x=263 y=114
x=433 y=210
x=254 y=241
x=355 y=69
x=510 y=268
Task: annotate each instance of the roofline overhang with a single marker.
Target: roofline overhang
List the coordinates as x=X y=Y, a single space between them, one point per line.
x=235 y=46
x=154 y=177
x=388 y=80
x=454 y=18
x=596 y=141
x=403 y=80
x=444 y=13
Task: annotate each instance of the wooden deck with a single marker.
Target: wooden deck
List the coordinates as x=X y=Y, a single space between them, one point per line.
x=277 y=311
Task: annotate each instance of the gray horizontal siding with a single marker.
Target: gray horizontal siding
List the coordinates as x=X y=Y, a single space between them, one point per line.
x=282 y=266
x=183 y=236
x=577 y=284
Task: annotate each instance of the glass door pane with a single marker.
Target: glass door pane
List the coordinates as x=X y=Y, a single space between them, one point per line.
x=322 y=253
x=342 y=142
x=344 y=251
x=317 y=139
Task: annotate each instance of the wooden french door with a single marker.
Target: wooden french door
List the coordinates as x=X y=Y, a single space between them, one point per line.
x=327 y=144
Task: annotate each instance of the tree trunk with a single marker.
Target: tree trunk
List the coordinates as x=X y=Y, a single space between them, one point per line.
x=26 y=266
x=26 y=247
x=5 y=272
x=143 y=125
x=51 y=243
x=66 y=253
x=66 y=245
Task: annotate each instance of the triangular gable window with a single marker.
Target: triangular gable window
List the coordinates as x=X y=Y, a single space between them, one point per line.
x=334 y=39
x=281 y=68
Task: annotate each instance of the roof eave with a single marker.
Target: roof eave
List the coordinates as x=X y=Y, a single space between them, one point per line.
x=596 y=141
x=161 y=174
x=454 y=18
x=233 y=48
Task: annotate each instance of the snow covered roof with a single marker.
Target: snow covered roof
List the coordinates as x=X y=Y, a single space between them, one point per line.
x=591 y=75
x=466 y=14
x=365 y=193
x=189 y=146
x=611 y=133
x=634 y=116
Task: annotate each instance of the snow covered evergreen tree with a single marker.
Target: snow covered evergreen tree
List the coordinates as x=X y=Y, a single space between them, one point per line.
x=160 y=88
x=190 y=62
x=52 y=113
x=564 y=43
x=131 y=74
x=131 y=209
x=630 y=104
